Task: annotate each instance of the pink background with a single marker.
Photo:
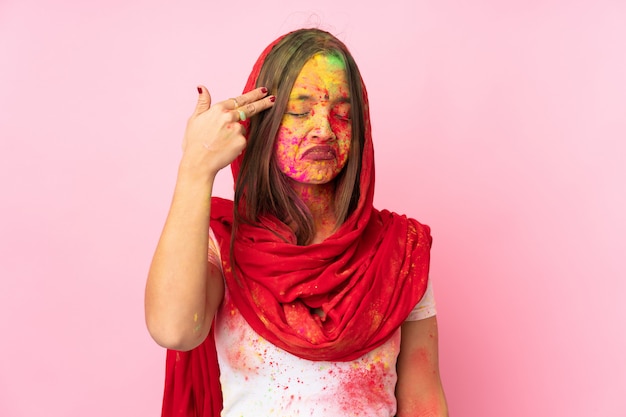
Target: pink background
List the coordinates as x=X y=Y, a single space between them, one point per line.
x=500 y=124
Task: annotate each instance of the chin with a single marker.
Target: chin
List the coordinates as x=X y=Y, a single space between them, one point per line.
x=325 y=177
x=317 y=179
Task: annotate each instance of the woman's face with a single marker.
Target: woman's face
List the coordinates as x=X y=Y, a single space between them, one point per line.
x=314 y=137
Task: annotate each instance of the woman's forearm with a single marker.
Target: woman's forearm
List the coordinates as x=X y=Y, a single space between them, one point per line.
x=183 y=290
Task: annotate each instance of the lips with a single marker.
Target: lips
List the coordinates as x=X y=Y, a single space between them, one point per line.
x=319 y=153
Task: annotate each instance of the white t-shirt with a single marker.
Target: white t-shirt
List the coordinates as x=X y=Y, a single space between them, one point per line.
x=261 y=380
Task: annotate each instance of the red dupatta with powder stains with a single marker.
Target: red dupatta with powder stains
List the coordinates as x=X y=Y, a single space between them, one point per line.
x=332 y=301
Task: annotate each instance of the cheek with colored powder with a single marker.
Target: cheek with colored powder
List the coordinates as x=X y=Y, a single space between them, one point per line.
x=342 y=129
x=343 y=132
x=286 y=149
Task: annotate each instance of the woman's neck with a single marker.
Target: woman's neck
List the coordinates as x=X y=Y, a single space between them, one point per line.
x=319 y=198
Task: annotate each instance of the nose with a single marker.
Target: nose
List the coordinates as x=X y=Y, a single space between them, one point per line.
x=322 y=130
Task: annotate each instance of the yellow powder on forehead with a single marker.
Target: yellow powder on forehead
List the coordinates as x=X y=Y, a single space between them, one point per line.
x=332 y=62
x=321 y=70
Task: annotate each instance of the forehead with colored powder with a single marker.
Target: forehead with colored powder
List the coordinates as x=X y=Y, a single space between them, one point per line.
x=322 y=74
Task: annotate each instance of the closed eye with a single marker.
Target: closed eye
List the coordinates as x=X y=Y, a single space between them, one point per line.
x=341 y=111
x=298 y=114
x=342 y=114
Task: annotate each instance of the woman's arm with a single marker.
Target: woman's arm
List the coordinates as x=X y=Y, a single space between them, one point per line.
x=419 y=390
x=184 y=290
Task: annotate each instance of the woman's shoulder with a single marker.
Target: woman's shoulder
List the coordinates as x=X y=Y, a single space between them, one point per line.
x=220 y=201
x=393 y=217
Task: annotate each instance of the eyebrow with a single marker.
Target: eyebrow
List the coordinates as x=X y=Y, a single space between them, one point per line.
x=300 y=97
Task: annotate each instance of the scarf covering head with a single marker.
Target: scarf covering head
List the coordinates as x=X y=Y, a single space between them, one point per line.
x=332 y=301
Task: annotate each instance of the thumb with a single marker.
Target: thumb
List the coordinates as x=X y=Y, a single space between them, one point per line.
x=204 y=100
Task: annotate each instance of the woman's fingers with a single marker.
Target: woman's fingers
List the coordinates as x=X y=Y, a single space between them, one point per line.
x=204 y=100
x=250 y=103
x=251 y=109
x=247 y=98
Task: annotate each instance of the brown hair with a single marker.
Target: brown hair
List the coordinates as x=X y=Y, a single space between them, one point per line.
x=260 y=185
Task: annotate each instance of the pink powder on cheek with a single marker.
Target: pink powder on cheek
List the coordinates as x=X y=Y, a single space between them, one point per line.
x=286 y=142
x=286 y=149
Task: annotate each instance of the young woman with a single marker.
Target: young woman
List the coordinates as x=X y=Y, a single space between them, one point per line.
x=298 y=298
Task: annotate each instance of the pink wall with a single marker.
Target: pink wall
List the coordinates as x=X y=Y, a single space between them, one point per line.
x=500 y=124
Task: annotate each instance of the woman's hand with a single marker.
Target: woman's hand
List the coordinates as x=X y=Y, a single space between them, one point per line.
x=214 y=137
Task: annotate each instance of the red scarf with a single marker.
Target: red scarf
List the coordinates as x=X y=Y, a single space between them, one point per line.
x=366 y=278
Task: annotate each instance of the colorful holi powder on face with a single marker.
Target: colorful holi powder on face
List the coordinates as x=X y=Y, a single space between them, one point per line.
x=314 y=138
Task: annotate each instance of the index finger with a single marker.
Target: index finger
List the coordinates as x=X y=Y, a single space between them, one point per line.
x=253 y=102
x=250 y=97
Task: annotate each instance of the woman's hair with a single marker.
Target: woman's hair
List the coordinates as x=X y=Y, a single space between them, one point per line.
x=261 y=186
